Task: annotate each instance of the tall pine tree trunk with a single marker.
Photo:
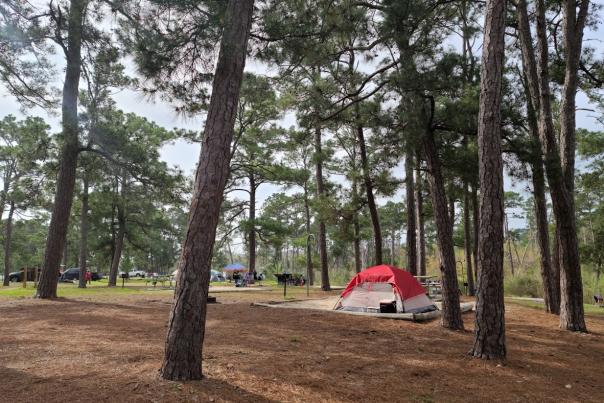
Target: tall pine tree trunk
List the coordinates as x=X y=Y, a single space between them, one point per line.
x=186 y=326
x=84 y=235
x=571 y=284
x=559 y=161
x=451 y=315
x=556 y=267
x=411 y=223
x=419 y=213
x=322 y=235
x=118 y=248
x=373 y=210
x=476 y=226
x=357 y=230
x=8 y=236
x=252 y=230
x=467 y=239
x=452 y=211
x=534 y=108
x=309 y=268
x=551 y=285
x=489 y=327
x=57 y=230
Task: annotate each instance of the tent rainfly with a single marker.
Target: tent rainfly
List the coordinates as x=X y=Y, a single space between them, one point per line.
x=234 y=267
x=384 y=285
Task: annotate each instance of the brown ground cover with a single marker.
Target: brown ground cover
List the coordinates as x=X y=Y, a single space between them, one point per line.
x=110 y=350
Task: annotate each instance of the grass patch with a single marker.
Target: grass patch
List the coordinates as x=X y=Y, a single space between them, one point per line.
x=590 y=309
x=69 y=290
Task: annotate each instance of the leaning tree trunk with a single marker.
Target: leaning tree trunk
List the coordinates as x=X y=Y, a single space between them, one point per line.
x=489 y=327
x=186 y=326
x=419 y=213
x=57 y=230
x=84 y=235
x=322 y=235
x=373 y=210
x=467 y=240
x=8 y=235
x=252 y=222
x=451 y=316
x=411 y=224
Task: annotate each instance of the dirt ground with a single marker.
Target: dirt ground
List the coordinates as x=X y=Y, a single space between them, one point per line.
x=110 y=350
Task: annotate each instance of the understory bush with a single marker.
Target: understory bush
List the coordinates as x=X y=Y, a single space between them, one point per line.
x=524 y=285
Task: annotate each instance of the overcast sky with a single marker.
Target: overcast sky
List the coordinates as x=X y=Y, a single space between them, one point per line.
x=185 y=155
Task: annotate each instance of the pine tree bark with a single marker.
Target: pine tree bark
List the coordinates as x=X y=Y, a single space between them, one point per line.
x=489 y=327
x=467 y=240
x=452 y=213
x=451 y=312
x=550 y=284
x=356 y=230
x=84 y=234
x=411 y=224
x=119 y=246
x=186 y=326
x=571 y=284
x=66 y=254
x=252 y=231
x=309 y=268
x=322 y=235
x=559 y=163
x=373 y=210
x=420 y=225
x=8 y=236
x=59 y=221
x=476 y=226
x=556 y=267
x=551 y=290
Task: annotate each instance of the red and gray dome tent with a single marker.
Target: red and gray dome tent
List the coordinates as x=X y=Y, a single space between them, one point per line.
x=382 y=284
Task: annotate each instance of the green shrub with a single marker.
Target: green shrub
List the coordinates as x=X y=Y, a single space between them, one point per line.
x=524 y=285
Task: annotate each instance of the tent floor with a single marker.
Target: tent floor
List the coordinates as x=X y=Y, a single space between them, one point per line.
x=327 y=304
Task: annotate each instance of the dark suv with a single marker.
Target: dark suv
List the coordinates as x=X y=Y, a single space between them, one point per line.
x=19 y=275
x=74 y=274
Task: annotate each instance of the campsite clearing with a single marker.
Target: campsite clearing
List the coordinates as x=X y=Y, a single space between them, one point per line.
x=327 y=304
x=110 y=350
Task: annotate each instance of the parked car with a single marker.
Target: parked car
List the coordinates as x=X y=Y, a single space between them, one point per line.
x=17 y=276
x=137 y=273
x=74 y=274
x=70 y=274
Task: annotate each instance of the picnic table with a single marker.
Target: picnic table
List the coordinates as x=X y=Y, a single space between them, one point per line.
x=432 y=285
x=160 y=279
